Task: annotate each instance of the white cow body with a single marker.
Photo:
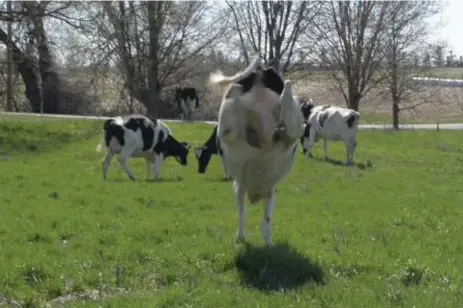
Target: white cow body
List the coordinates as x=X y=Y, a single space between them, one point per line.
x=257 y=169
x=331 y=123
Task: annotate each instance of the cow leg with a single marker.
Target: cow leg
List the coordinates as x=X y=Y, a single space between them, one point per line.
x=225 y=168
x=148 y=168
x=325 y=148
x=350 y=147
x=106 y=162
x=158 y=160
x=239 y=192
x=309 y=142
x=266 y=227
x=291 y=115
x=123 y=161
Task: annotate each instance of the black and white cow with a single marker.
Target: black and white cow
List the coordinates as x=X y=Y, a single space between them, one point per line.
x=187 y=100
x=139 y=136
x=330 y=123
x=204 y=153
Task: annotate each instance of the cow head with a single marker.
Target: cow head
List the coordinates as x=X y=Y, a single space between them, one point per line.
x=306 y=106
x=181 y=153
x=203 y=155
x=179 y=150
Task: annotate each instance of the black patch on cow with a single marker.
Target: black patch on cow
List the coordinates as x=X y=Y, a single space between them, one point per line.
x=111 y=130
x=210 y=147
x=247 y=82
x=307 y=109
x=322 y=118
x=270 y=79
x=351 y=119
x=306 y=133
x=107 y=123
x=138 y=122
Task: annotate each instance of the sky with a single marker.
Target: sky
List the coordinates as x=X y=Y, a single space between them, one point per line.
x=450 y=25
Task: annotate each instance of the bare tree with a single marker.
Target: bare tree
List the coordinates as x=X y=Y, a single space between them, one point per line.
x=33 y=56
x=271 y=29
x=349 y=34
x=158 y=43
x=407 y=30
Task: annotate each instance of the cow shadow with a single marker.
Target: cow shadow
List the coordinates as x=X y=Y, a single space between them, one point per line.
x=275 y=268
x=336 y=162
x=218 y=180
x=161 y=180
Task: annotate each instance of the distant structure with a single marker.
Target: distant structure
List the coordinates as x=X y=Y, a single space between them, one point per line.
x=456 y=83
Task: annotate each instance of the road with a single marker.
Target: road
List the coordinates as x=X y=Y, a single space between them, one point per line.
x=442 y=126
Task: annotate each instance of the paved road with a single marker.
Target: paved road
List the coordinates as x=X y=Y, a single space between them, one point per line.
x=442 y=126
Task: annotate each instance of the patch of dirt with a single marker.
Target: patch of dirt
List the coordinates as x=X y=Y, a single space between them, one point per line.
x=8 y=302
x=91 y=295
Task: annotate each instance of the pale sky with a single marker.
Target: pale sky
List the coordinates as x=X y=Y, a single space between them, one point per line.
x=450 y=25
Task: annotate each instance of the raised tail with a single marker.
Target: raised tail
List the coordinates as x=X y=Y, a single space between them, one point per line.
x=218 y=79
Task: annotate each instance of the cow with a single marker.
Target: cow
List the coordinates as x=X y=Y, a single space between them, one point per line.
x=259 y=125
x=187 y=100
x=306 y=105
x=140 y=136
x=330 y=123
x=204 y=153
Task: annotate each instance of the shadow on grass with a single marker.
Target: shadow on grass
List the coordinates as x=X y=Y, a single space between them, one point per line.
x=219 y=180
x=277 y=267
x=335 y=162
x=162 y=180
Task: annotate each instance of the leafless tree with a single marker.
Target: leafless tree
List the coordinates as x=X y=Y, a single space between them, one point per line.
x=158 y=43
x=350 y=35
x=271 y=29
x=32 y=53
x=407 y=31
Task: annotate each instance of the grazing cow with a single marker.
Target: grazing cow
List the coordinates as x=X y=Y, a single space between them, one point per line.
x=204 y=153
x=330 y=123
x=188 y=101
x=139 y=136
x=258 y=127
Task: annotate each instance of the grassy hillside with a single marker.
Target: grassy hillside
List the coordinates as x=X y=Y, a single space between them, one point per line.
x=381 y=236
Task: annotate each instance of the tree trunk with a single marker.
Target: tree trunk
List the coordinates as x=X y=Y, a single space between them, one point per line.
x=354 y=99
x=26 y=69
x=395 y=113
x=50 y=79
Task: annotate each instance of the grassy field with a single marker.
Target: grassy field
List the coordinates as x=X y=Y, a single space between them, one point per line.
x=386 y=233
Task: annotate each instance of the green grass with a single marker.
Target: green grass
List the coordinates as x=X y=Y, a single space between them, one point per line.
x=389 y=235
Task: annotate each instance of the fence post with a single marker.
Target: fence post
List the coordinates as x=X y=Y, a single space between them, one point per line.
x=438 y=125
